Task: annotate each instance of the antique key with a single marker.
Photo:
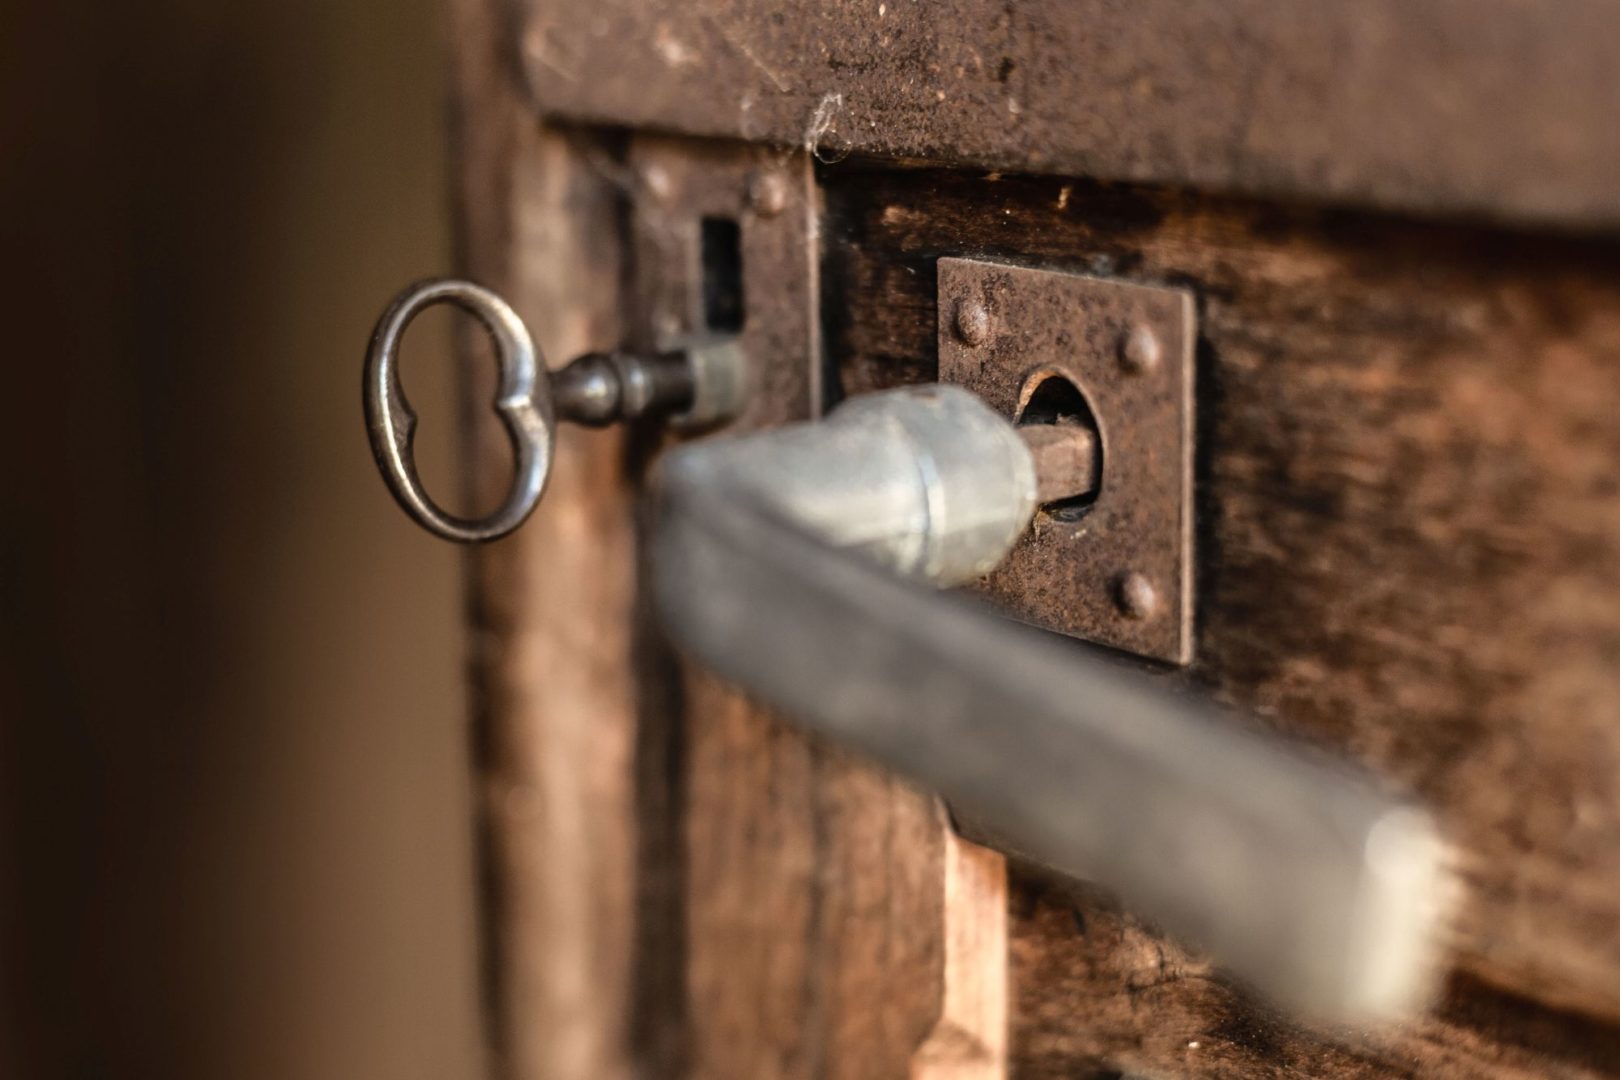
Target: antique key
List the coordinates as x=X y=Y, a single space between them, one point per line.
x=800 y=564
x=693 y=387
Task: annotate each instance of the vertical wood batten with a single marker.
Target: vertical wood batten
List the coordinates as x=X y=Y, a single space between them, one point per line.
x=549 y=606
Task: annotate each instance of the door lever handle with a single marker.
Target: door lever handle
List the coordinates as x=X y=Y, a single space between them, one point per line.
x=795 y=563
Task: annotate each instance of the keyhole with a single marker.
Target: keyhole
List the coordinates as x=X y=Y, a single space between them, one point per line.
x=722 y=275
x=1050 y=398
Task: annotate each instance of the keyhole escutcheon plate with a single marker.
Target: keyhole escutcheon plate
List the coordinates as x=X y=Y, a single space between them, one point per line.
x=1119 y=571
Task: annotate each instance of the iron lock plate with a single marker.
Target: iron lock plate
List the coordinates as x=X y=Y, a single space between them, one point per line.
x=1118 y=572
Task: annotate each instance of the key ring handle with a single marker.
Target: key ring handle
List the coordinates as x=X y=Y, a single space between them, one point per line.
x=523 y=403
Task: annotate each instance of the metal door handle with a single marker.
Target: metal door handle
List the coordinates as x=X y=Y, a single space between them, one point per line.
x=798 y=562
x=1303 y=878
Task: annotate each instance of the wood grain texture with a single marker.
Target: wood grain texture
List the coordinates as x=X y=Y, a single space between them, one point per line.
x=553 y=642
x=816 y=903
x=1472 y=106
x=550 y=606
x=1409 y=525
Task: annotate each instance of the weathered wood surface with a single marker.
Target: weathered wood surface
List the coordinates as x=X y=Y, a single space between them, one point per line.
x=815 y=903
x=550 y=610
x=1456 y=106
x=1409 y=536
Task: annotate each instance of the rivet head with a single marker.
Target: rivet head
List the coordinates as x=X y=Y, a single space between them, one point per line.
x=1140 y=351
x=767 y=193
x=1136 y=597
x=972 y=322
x=659 y=184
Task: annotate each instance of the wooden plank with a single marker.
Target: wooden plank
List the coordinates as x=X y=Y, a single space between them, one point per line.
x=1097 y=993
x=1408 y=518
x=550 y=608
x=815 y=904
x=1459 y=106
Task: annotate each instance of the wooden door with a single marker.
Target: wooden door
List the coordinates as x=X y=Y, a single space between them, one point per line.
x=1397 y=220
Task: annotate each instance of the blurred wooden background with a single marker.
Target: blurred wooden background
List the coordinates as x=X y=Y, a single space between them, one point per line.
x=234 y=807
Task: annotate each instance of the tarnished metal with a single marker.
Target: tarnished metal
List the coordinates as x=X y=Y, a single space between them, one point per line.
x=718 y=372
x=1065 y=460
x=1120 y=570
x=702 y=383
x=598 y=389
x=926 y=481
x=523 y=403
x=1494 y=107
x=1303 y=879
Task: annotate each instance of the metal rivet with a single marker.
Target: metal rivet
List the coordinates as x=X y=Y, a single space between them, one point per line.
x=1136 y=597
x=767 y=194
x=972 y=322
x=657 y=181
x=1140 y=352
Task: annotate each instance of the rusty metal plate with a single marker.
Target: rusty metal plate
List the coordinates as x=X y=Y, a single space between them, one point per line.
x=762 y=199
x=1492 y=107
x=1118 y=571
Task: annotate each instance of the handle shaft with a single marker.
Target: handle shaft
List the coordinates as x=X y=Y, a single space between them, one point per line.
x=1303 y=878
